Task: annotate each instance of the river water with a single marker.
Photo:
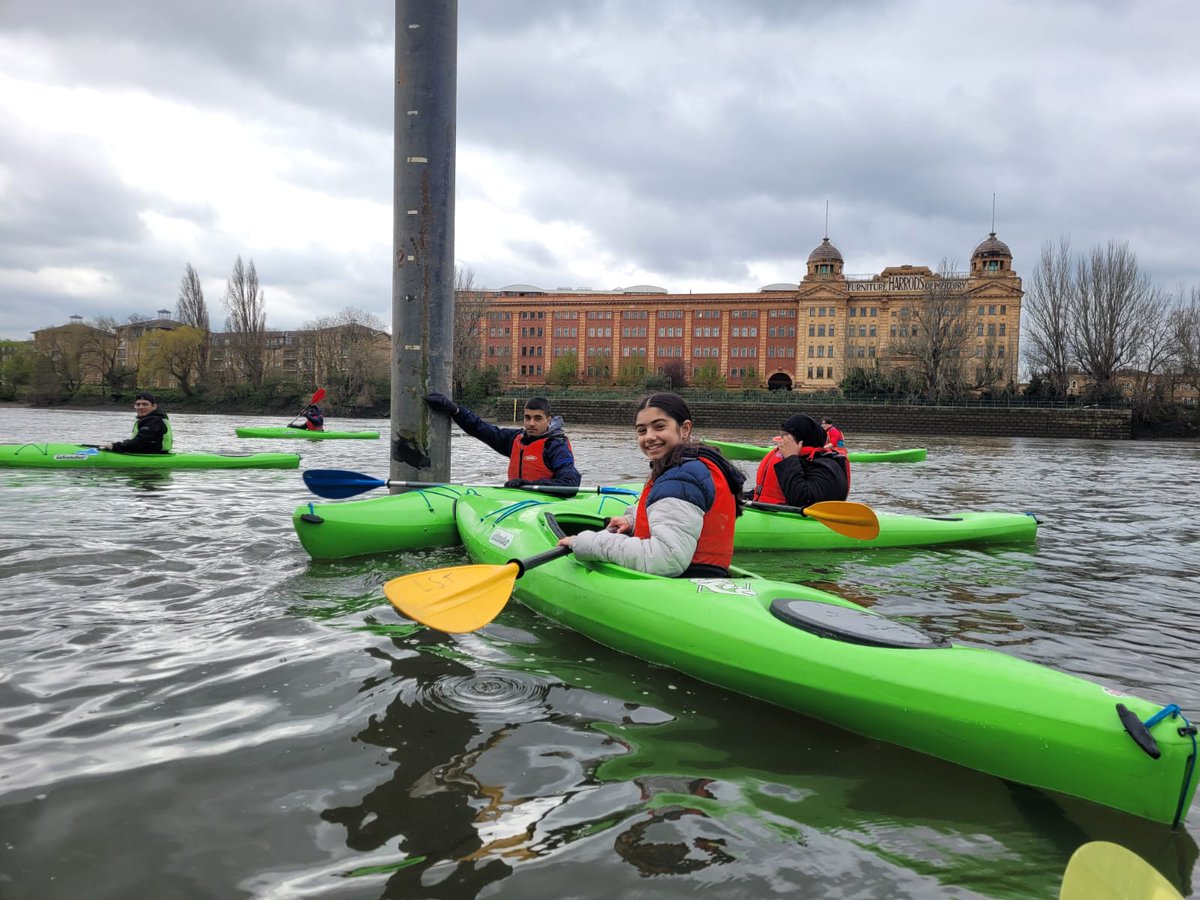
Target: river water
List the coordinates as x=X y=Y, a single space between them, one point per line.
x=192 y=708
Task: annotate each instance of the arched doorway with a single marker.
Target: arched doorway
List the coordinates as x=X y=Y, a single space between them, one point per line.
x=780 y=381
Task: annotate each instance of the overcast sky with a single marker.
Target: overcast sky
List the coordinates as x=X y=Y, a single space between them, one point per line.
x=691 y=145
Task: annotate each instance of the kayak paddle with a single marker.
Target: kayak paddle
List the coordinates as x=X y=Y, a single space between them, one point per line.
x=317 y=397
x=337 y=484
x=854 y=520
x=461 y=598
x=1100 y=870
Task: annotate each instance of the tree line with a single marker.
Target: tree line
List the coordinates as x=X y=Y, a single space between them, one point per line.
x=342 y=352
x=1098 y=319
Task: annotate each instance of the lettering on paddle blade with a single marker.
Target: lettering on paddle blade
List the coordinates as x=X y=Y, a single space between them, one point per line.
x=723 y=586
x=501 y=538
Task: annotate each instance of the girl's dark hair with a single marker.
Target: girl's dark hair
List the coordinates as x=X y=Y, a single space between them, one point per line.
x=672 y=404
x=675 y=407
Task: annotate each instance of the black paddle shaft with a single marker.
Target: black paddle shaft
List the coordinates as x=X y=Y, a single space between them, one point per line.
x=531 y=562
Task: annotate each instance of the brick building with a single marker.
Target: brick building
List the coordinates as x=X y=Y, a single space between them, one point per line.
x=804 y=336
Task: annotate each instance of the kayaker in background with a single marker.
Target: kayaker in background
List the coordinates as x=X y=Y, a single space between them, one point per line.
x=313 y=420
x=151 y=430
x=539 y=453
x=834 y=439
x=683 y=522
x=800 y=471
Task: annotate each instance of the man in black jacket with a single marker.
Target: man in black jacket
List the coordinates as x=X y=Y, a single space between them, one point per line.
x=151 y=431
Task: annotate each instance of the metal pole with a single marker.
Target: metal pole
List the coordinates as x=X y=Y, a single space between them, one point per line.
x=423 y=235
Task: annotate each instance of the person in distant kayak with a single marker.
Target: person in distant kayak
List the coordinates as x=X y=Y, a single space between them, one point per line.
x=800 y=471
x=834 y=439
x=313 y=420
x=151 y=431
x=539 y=453
x=682 y=525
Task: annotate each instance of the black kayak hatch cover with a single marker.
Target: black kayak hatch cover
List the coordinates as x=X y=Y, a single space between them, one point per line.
x=854 y=626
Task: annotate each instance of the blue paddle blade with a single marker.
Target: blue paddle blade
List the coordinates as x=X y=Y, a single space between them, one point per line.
x=337 y=484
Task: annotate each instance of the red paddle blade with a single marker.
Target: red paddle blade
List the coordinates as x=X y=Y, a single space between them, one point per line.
x=317 y=397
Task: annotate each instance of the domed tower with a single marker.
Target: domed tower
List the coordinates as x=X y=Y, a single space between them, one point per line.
x=991 y=257
x=825 y=262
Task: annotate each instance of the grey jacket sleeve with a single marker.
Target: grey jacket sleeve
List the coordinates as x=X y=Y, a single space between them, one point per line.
x=675 y=530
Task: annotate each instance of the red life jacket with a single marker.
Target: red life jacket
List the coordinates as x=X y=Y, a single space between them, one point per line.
x=715 y=546
x=525 y=459
x=766 y=482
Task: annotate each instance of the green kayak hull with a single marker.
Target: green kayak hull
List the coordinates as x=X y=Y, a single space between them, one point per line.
x=73 y=456
x=752 y=452
x=824 y=657
x=425 y=519
x=284 y=432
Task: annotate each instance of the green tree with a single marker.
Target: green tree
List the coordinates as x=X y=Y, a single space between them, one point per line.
x=177 y=353
x=709 y=378
x=564 y=371
x=630 y=374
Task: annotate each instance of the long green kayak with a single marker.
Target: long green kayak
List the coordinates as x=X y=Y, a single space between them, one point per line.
x=752 y=452
x=761 y=530
x=285 y=432
x=74 y=456
x=824 y=657
x=425 y=519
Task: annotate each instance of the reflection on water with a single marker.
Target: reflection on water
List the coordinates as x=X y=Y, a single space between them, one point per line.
x=192 y=708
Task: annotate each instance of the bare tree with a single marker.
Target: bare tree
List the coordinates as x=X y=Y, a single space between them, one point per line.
x=1047 y=306
x=103 y=356
x=246 y=321
x=471 y=306
x=344 y=353
x=936 y=332
x=191 y=309
x=1184 y=325
x=1109 y=312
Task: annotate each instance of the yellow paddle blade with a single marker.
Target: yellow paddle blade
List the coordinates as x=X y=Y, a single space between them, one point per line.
x=457 y=599
x=1100 y=870
x=854 y=520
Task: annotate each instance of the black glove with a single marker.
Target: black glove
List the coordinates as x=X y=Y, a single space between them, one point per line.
x=516 y=482
x=441 y=403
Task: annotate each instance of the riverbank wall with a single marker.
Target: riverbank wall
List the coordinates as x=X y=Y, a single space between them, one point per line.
x=989 y=421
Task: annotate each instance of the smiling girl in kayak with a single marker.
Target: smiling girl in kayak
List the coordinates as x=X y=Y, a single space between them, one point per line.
x=683 y=522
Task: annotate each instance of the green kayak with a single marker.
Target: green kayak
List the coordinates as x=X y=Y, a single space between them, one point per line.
x=284 y=432
x=752 y=453
x=762 y=530
x=425 y=519
x=824 y=657
x=74 y=456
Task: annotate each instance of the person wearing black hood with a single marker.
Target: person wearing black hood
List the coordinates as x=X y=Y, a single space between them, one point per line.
x=800 y=471
x=151 y=430
x=682 y=525
x=539 y=453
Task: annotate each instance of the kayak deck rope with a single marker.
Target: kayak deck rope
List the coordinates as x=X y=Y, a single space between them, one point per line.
x=505 y=511
x=1186 y=730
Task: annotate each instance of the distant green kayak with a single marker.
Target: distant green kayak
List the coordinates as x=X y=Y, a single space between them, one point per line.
x=280 y=431
x=74 y=456
x=752 y=452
